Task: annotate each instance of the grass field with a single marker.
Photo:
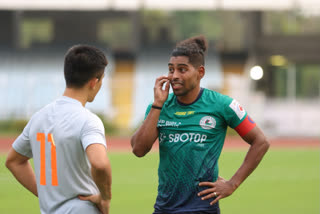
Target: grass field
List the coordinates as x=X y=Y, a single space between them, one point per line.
x=286 y=182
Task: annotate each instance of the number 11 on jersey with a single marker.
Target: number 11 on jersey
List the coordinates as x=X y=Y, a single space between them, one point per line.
x=41 y=137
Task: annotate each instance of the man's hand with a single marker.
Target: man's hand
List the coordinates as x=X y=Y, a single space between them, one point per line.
x=103 y=205
x=160 y=94
x=218 y=190
x=22 y=170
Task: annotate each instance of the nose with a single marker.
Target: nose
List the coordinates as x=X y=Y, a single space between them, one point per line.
x=174 y=75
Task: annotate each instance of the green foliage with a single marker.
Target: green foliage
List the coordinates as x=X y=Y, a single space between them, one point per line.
x=109 y=127
x=207 y=23
x=12 y=127
x=15 y=127
x=182 y=24
x=115 y=32
x=287 y=181
x=36 y=30
x=308 y=81
x=290 y=23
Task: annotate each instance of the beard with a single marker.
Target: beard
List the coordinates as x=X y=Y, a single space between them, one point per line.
x=182 y=90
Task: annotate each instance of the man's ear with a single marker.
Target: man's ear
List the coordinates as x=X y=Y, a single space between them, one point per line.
x=202 y=71
x=93 y=82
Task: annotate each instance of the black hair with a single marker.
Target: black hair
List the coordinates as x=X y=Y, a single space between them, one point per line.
x=194 y=48
x=82 y=63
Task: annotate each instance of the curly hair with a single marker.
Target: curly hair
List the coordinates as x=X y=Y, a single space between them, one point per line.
x=194 y=48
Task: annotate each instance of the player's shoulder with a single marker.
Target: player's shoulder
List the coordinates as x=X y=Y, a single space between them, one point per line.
x=92 y=122
x=43 y=112
x=90 y=116
x=215 y=97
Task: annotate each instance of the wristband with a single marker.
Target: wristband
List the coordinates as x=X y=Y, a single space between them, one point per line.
x=156 y=107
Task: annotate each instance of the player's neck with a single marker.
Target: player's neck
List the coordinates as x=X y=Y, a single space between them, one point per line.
x=77 y=94
x=190 y=97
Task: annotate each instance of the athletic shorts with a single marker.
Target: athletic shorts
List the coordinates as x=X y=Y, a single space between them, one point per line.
x=194 y=212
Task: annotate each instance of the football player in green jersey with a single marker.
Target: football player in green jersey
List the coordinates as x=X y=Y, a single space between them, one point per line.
x=191 y=125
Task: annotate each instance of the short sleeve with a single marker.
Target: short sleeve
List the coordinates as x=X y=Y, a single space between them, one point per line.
x=92 y=132
x=236 y=117
x=233 y=112
x=22 y=143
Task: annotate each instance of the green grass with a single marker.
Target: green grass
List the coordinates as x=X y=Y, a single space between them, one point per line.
x=287 y=181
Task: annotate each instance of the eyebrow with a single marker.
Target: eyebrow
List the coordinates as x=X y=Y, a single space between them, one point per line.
x=170 y=64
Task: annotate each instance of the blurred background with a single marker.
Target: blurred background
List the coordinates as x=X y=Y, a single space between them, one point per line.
x=264 y=54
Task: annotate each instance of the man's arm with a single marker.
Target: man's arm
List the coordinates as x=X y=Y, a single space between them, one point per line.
x=223 y=188
x=147 y=134
x=21 y=169
x=101 y=174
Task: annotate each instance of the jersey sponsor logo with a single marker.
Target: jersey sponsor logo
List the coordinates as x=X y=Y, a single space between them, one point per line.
x=179 y=113
x=162 y=123
x=207 y=122
x=184 y=113
x=237 y=108
x=187 y=137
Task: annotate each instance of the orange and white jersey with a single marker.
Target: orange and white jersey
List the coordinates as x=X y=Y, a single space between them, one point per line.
x=56 y=138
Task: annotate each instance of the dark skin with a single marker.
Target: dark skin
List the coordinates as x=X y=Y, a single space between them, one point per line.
x=223 y=188
x=184 y=79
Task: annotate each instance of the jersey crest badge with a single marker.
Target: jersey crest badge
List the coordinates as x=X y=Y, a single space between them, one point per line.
x=237 y=108
x=207 y=122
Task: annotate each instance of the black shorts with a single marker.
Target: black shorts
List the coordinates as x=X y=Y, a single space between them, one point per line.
x=195 y=212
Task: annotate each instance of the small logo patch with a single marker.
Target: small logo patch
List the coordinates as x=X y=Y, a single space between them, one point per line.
x=208 y=122
x=237 y=108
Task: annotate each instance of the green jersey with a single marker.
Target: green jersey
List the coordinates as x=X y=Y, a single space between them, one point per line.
x=191 y=138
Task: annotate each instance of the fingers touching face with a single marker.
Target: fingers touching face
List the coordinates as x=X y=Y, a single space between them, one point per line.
x=183 y=76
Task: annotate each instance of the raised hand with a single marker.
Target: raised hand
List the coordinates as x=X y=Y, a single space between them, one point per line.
x=160 y=94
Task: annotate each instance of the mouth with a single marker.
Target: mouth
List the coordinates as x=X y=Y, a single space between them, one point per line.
x=176 y=85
